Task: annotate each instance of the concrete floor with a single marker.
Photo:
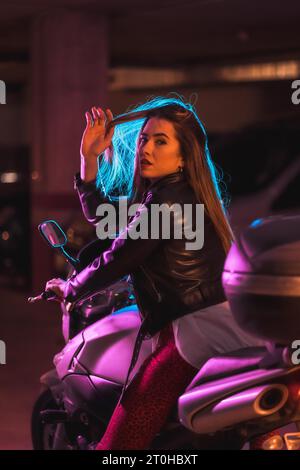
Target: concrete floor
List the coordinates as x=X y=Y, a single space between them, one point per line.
x=32 y=336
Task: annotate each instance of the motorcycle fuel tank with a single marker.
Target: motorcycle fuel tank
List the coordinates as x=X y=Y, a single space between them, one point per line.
x=108 y=346
x=104 y=349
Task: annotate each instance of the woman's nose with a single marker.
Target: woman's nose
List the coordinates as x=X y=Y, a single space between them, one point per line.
x=146 y=150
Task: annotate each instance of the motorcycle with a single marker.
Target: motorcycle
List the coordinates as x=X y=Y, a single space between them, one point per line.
x=234 y=399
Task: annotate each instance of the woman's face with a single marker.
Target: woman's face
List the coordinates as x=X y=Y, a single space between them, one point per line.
x=158 y=149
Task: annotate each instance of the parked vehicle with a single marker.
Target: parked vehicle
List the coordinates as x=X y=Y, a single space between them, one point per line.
x=260 y=165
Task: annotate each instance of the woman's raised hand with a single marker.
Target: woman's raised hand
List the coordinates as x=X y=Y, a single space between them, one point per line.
x=96 y=138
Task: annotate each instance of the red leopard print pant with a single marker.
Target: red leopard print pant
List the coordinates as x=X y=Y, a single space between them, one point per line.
x=149 y=398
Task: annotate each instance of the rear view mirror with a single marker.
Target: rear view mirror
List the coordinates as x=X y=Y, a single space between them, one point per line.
x=53 y=233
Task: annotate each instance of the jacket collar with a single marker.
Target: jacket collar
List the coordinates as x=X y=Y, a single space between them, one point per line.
x=166 y=180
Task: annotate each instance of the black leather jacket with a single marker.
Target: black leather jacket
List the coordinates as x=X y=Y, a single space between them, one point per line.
x=169 y=280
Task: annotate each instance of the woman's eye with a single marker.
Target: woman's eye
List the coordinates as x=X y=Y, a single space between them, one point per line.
x=143 y=140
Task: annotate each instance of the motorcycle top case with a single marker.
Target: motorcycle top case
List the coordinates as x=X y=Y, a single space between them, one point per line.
x=261 y=278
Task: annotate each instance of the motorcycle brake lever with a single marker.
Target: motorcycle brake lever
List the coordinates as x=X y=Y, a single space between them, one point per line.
x=46 y=295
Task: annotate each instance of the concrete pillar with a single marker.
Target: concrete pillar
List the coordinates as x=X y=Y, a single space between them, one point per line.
x=69 y=55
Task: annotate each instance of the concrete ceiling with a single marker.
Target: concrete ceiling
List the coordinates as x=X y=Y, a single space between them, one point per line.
x=170 y=32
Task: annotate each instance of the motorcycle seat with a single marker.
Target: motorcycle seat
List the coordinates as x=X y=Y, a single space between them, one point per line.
x=226 y=365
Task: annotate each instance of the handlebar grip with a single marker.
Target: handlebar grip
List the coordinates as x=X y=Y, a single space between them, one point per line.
x=46 y=295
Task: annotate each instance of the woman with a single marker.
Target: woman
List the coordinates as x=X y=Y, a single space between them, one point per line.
x=178 y=289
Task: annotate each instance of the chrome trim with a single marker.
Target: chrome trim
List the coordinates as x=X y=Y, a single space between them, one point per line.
x=261 y=284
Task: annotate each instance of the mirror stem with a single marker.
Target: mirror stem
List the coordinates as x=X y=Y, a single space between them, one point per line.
x=73 y=261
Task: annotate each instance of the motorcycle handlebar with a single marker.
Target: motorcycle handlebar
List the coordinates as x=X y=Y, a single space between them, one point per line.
x=46 y=295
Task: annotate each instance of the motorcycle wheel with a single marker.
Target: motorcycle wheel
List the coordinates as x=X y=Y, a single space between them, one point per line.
x=42 y=435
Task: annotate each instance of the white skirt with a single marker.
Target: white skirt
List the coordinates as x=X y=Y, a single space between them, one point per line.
x=208 y=332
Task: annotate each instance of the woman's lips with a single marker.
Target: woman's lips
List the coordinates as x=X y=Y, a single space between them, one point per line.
x=145 y=162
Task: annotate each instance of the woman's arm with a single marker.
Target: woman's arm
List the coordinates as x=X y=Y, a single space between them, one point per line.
x=90 y=198
x=125 y=255
x=95 y=140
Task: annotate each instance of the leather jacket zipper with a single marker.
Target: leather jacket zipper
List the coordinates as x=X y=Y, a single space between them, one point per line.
x=157 y=293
